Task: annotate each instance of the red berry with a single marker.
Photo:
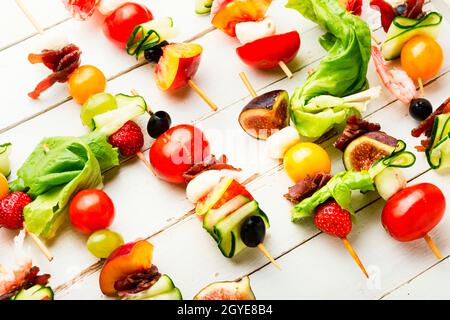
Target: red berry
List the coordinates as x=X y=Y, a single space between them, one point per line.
x=333 y=220
x=129 y=139
x=11 y=210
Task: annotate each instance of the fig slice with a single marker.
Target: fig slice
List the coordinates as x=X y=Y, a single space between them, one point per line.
x=227 y=290
x=265 y=114
x=365 y=150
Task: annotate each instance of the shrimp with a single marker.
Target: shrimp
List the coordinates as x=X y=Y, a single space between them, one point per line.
x=396 y=81
x=17 y=274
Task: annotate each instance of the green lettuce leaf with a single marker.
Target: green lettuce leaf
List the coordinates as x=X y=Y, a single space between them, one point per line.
x=341 y=73
x=57 y=169
x=339 y=188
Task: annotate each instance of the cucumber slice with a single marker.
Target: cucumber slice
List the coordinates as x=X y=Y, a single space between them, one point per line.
x=214 y=216
x=438 y=152
x=36 y=292
x=403 y=29
x=150 y=34
x=203 y=6
x=163 y=285
x=174 y=294
x=129 y=107
x=5 y=164
x=228 y=230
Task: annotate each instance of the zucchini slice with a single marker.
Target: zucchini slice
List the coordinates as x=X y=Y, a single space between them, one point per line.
x=203 y=6
x=214 y=216
x=149 y=35
x=438 y=152
x=129 y=107
x=174 y=294
x=228 y=230
x=403 y=29
x=163 y=285
x=36 y=292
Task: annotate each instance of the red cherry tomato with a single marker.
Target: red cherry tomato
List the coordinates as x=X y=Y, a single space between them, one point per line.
x=91 y=210
x=119 y=24
x=267 y=52
x=177 y=150
x=412 y=212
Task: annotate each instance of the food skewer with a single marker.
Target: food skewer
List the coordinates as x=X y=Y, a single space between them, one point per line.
x=202 y=95
x=354 y=255
x=139 y=154
x=30 y=17
x=433 y=247
x=247 y=84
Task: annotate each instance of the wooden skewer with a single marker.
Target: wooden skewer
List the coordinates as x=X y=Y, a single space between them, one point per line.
x=421 y=90
x=39 y=243
x=140 y=155
x=30 y=17
x=135 y=93
x=2 y=270
x=247 y=84
x=202 y=95
x=375 y=38
x=286 y=69
x=46 y=148
x=354 y=256
x=264 y=251
x=433 y=247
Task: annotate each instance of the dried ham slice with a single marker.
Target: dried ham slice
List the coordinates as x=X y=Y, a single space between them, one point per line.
x=62 y=62
x=210 y=163
x=355 y=128
x=307 y=187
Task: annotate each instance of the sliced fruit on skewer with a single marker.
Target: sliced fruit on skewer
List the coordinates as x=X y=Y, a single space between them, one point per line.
x=413 y=212
x=265 y=114
x=177 y=67
x=129 y=274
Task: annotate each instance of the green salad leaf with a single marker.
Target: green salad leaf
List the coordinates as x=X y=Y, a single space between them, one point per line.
x=339 y=188
x=341 y=73
x=57 y=169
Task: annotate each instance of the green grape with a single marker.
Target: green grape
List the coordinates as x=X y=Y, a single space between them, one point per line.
x=103 y=242
x=97 y=104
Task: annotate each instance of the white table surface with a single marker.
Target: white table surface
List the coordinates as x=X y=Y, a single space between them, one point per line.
x=314 y=265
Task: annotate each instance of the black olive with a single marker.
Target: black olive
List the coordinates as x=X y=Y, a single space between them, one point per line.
x=155 y=53
x=253 y=231
x=158 y=123
x=400 y=10
x=420 y=109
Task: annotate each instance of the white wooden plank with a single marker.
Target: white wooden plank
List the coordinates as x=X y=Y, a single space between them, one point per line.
x=73 y=260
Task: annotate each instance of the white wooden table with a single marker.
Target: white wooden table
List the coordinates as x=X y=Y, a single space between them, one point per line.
x=314 y=265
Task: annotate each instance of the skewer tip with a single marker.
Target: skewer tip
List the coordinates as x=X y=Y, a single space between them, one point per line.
x=286 y=69
x=355 y=256
x=433 y=247
x=266 y=253
x=202 y=95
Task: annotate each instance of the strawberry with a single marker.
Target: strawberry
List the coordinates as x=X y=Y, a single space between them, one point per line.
x=129 y=139
x=333 y=220
x=11 y=210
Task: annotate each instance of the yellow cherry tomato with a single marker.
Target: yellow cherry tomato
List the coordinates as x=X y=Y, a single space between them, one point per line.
x=86 y=81
x=306 y=158
x=4 y=188
x=422 y=57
